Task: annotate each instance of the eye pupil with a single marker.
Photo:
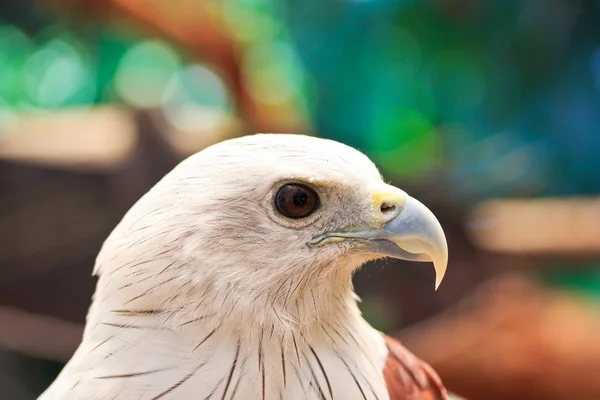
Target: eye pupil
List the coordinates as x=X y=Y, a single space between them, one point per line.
x=296 y=200
x=300 y=199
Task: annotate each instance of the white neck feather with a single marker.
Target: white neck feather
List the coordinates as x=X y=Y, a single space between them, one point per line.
x=170 y=330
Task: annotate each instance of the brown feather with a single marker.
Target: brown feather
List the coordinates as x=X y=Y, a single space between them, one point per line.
x=408 y=378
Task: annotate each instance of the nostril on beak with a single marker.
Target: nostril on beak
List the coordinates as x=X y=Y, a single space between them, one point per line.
x=390 y=210
x=388 y=203
x=388 y=207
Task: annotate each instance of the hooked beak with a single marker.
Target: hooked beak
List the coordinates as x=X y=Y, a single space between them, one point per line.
x=410 y=232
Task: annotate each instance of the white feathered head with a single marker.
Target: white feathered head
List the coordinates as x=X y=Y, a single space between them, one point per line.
x=266 y=226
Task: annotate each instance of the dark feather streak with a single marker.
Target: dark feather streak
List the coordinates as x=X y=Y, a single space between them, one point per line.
x=354 y=377
x=179 y=383
x=133 y=312
x=235 y=360
x=132 y=374
x=205 y=339
x=322 y=371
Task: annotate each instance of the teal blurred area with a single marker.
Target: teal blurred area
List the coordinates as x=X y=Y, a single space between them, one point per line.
x=502 y=95
x=488 y=111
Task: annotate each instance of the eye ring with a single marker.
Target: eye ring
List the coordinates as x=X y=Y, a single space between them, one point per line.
x=296 y=200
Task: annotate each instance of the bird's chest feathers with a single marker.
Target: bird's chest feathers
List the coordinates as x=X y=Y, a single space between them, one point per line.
x=337 y=363
x=331 y=365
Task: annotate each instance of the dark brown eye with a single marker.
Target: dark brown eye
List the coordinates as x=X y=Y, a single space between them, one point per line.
x=296 y=201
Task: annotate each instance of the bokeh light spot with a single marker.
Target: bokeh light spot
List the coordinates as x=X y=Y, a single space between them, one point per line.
x=57 y=75
x=196 y=99
x=273 y=73
x=144 y=72
x=407 y=143
x=15 y=47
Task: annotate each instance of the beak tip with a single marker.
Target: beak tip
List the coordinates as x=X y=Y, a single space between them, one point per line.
x=440 y=271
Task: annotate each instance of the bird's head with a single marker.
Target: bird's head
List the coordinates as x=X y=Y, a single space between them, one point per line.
x=266 y=221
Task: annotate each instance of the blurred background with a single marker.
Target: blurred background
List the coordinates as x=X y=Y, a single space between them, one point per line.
x=487 y=111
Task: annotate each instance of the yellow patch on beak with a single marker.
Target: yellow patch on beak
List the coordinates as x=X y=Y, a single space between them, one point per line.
x=388 y=193
x=387 y=198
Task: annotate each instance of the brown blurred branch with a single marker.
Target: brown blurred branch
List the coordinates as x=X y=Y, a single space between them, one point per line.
x=198 y=28
x=38 y=335
x=199 y=31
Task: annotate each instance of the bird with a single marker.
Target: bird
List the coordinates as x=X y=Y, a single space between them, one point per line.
x=231 y=278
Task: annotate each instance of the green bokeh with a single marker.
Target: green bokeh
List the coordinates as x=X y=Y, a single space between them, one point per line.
x=406 y=144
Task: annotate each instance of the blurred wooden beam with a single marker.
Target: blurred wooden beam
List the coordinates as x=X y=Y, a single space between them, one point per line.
x=96 y=138
x=538 y=226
